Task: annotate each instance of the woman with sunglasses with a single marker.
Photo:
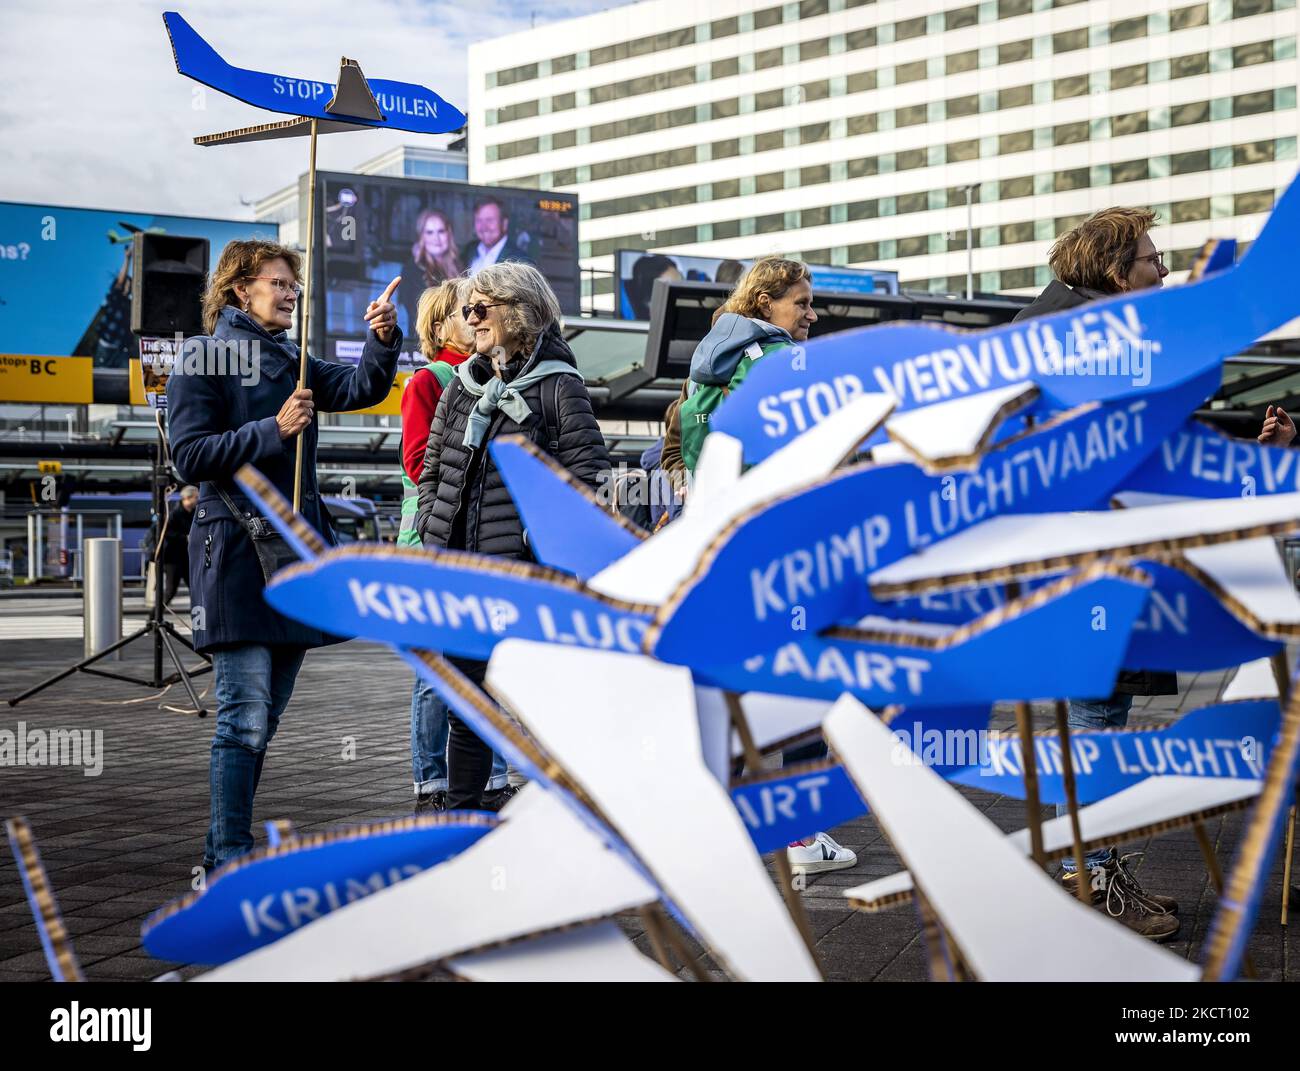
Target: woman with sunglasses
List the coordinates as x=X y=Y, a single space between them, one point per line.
x=521 y=379
x=235 y=401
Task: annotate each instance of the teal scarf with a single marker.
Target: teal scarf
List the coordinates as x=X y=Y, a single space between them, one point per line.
x=508 y=397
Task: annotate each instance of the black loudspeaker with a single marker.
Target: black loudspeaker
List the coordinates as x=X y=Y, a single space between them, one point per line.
x=168 y=278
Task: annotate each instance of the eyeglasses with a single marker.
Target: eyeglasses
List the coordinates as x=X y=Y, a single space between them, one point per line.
x=1157 y=259
x=281 y=287
x=479 y=309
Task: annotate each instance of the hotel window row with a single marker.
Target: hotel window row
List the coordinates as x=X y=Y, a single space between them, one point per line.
x=1215 y=11
x=1162 y=70
x=1217 y=207
x=1020 y=186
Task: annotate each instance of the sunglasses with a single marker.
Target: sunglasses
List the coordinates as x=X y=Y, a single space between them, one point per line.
x=479 y=309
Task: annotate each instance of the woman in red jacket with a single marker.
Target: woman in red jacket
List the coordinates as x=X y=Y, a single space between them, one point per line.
x=445 y=341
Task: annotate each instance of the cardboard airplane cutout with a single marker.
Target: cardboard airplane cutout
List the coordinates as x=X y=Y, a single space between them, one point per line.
x=1007 y=548
x=1116 y=347
x=353 y=102
x=557 y=874
x=258 y=898
x=649 y=749
x=963 y=863
x=1153 y=806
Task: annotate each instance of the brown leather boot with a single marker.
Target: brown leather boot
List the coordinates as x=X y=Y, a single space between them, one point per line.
x=1117 y=892
x=1117 y=869
x=1131 y=884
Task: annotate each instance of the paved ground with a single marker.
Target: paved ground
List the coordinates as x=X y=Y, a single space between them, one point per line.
x=119 y=845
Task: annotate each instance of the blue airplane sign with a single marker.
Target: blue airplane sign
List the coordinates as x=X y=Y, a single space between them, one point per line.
x=355 y=101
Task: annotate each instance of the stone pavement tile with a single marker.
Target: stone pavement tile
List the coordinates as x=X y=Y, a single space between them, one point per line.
x=80 y=924
x=869 y=946
x=110 y=910
x=33 y=960
x=835 y=881
x=15 y=923
x=826 y=919
x=18 y=941
x=92 y=947
x=24 y=976
x=124 y=969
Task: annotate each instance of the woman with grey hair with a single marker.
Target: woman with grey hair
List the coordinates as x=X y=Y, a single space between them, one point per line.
x=521 y=379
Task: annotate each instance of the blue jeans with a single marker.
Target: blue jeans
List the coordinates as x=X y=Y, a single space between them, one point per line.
x=429 y=743
x=1095 y=714
x=253 y=686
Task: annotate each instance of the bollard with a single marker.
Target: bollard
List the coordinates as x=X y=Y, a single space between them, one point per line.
x=102 y=569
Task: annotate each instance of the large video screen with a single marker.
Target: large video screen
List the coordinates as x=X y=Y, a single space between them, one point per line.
x=637 y=272
x=65 y=276
x=378 y=227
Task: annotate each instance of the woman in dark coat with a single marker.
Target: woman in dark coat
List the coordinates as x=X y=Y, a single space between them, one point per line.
x=233 y=400
x=523 y=379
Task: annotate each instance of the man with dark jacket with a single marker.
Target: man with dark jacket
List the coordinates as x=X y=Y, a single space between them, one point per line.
x=522 y=379
x=1109 y=253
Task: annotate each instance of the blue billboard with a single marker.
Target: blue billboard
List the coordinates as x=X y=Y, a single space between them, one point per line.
x=65 y=276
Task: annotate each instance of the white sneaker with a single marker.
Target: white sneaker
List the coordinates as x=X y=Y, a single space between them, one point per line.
x=822 y=854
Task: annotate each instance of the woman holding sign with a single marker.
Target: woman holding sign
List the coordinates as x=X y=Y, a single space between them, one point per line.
x=233 y=401
x=463 y=500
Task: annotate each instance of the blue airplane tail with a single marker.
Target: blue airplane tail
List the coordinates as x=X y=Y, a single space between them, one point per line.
x=568 y=527
x=192 y=53
x=1268 y=267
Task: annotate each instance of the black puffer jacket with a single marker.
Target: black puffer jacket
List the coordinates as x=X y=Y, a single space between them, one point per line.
x=490 y=522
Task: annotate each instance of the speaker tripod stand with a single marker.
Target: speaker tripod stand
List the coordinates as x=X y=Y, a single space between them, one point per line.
x=162 y=632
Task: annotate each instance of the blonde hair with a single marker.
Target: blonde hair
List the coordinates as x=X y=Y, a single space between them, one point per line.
x=1098 y=254
x=531 y=305
x=437 y=304
x=772 y=276
x=241 y=260
x=435 y=269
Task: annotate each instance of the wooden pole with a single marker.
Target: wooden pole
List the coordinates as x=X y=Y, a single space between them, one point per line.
x=1216 y=879
x=1286 y=866
x=1029 y=760
x=59 y=953
x=1082 y=883
x=1227 y=932
x=304 y=311
x=673 y=935
x=793 y=904
x=650 y=920
x=935 y=946
x=1283 y=677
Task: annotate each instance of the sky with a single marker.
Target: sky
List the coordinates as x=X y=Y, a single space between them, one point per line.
x=94 y=114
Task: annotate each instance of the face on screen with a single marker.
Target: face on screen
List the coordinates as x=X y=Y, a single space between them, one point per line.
x=489 y=225
x=435 y=237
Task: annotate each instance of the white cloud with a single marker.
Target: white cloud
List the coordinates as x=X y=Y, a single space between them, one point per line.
x=93 y=112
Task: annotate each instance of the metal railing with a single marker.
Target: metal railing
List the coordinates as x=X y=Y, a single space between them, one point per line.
x=56 y=542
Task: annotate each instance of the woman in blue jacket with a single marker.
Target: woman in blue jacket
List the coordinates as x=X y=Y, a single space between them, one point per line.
x=233 y=399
